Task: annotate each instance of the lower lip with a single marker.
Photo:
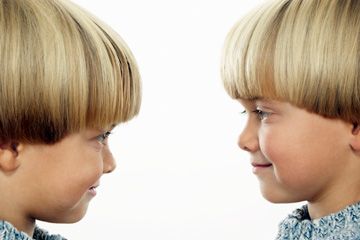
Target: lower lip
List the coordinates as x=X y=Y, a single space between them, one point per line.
x=259 y=168
x=92 y=191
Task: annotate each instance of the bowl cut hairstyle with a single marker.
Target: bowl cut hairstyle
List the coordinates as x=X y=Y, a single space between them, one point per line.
x=306 y=52
x=61 y=71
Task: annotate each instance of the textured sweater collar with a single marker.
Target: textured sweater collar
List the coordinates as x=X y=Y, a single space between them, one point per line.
x=9 y=232
x=342 y=225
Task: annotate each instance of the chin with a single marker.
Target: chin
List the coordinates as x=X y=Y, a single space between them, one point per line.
x=76 y=215
x=70 y=216
x=64 y=219
x=74 y=218
x=276 y=200
x=273 y=197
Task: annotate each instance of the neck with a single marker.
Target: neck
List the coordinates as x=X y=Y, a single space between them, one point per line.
x=27 y=227
x=10 y=211
x=21 y=224
x=319 y=210
x=340 y=191
x=334 y=201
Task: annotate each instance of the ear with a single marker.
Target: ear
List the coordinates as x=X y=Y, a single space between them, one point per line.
x=9 y=156
x=355 y=141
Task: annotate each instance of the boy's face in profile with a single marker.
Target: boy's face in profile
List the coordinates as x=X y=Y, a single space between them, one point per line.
x=294 y=153
x=58 y=181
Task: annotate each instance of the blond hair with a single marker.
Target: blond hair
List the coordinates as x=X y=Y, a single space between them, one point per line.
x=61 y=71
x=303 y=52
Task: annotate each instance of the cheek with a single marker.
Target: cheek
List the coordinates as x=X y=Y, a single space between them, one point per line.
x=83 y=175
x=288 y=144
x=286 y=152
x=299 y=158
x=90 y=171
x=274 y=145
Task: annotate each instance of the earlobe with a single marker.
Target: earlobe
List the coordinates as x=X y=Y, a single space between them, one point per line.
x=355 y=142
x=9 y=157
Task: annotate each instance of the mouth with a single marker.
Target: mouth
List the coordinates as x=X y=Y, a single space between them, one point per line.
x=258 y=167
x=261 y=164
x=92 y=190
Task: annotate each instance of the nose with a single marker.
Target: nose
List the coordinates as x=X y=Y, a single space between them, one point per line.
x=108 y=161
x=248 y=139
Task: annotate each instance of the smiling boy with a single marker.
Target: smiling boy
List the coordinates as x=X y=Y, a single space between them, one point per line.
x=294 y=66
x=66 y=80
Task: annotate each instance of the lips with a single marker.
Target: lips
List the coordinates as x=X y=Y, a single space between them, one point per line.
x=92 y=189
x=261 y=165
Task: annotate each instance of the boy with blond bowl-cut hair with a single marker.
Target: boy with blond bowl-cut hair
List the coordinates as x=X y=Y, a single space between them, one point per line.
x=66 y=80
x=294 y=66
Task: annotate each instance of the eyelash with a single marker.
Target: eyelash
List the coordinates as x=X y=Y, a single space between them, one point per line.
x=261 y=115
x=102 y=137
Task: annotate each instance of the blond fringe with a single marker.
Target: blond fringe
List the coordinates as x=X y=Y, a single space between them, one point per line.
x=303 y=52
x=62 y=71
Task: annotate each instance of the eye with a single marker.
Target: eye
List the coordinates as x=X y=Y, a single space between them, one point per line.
x=102 y=137
x=261 y=115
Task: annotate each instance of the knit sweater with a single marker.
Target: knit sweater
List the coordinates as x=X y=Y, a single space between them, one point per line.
x=9 y=232
x=343 y=225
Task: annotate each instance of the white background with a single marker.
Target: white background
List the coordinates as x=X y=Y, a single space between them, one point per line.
x=180 y=174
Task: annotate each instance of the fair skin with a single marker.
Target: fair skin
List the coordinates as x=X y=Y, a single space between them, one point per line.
x=51 y=183
x=301 y=156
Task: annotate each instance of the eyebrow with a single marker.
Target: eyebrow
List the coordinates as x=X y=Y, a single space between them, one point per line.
x=252 y=98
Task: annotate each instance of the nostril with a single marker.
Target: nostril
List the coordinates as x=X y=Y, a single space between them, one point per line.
x=109 y=166
x=242 y=142
x=245 y=148
x=248 y=143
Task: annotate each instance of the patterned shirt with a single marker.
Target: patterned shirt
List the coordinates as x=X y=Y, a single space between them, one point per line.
x=9 y=232
x=343 y=225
